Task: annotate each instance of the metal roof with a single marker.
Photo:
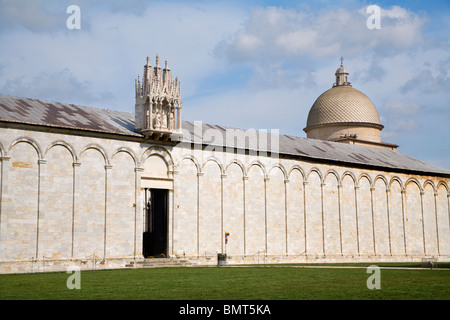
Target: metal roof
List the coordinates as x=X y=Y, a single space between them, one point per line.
x=62 y=115
x=309 y=148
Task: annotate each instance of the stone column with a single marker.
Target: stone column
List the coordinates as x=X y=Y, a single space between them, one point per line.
x=423 y=222
x=222 y=239
x=403 y=192
x=436 y=219
x=172 y=222
x=41 y=162
x=356 y=216
x=389 y=220
x=286 y=181
x=322 y=185
x=199 y=175
x=3 y=178
x=137 y=252
x=305 y=183
x=372 y=189
x=75 y=165
x=107 y=167
x=245 y=178
x=339 y=187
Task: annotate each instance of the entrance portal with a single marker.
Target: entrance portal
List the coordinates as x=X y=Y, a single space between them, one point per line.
x=155 y=223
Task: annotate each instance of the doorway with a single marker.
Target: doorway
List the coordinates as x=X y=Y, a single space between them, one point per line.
x=155 y=223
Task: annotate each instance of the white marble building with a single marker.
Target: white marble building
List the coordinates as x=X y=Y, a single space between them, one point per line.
x=105 y=189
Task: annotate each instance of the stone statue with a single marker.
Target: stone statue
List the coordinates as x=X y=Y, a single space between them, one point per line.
x=158 y=120
x=164 y=120
x=171 y=120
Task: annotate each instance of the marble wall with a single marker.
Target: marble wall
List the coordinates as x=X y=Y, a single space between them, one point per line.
x=68 y=198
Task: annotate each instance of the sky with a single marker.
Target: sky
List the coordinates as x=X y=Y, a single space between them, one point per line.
x=253 y=64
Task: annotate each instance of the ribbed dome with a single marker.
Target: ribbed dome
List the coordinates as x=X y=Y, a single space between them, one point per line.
x=342 y=104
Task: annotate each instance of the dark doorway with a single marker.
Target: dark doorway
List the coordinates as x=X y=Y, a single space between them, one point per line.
x=155 y=223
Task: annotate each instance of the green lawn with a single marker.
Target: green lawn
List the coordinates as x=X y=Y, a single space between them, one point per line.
x=230 y=283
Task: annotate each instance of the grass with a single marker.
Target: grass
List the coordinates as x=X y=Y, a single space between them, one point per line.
x=229 y=283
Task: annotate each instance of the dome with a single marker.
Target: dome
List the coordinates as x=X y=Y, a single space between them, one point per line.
x=345 y=114
x=342 y=104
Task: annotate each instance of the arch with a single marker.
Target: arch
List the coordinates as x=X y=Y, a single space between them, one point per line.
x=296 y=211
x=316 y=170
x=414 y=180
x=217 y=161
x=381 y=219
x=396 y=216
x=442 y=215
x=331 y=214
x=23 y=187
x=64 y=144
x=444 y=184
x=30 y=141
x=57 y=182
x=414 y=217
x=210 y=207
x=365 y=214
x=400 y=182
x=257 y=205
x=332 y=172
x=276 y=211
x=125 y=150
x=239 y=164
x=383 y=178
x=89 y=222
x=121 y=205
x=283 y=170
x=365 y=175
x=165 y=154
x=98 y=148
x=259 y=164
x=185 y=224
x=429 y=216
x=351 y=175
x=299 y=169
x=314 y=213
x=187 y=157
x=350 y=240
x=431 y=183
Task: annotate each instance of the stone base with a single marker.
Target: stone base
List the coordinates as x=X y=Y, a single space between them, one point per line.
x=33 y=266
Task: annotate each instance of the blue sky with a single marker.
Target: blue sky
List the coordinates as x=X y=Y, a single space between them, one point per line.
x=250 y=64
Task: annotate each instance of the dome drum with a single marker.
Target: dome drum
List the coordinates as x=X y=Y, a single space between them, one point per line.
x=337 y=131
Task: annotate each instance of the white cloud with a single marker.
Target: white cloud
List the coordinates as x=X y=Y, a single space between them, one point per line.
x=282 y=33
x=272 y=37
x=29 y=15
x=55 y=86
x=401 y=107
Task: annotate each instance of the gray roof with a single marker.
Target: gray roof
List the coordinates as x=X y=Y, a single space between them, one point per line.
x=62 y=115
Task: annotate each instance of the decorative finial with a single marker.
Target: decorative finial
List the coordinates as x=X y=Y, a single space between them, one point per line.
x=342 y=60
x=157 y=60
x=167 y=65
x=148 y=60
